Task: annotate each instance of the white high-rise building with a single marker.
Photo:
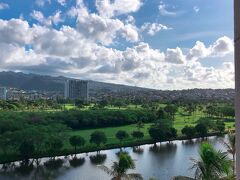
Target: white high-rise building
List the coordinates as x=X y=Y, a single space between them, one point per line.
x=3 y=93
x=76 y=89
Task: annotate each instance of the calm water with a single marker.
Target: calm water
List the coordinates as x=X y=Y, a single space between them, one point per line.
x=163 y=162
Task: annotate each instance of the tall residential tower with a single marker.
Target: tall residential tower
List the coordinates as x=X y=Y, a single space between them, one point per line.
x=76 y=89
x=3 y=93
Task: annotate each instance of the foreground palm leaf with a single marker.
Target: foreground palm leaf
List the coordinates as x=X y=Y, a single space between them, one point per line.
x=212 y=164
x=119 y=169
x=231 y=148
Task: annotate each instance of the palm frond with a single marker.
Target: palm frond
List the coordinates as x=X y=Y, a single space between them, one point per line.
x=105 y=169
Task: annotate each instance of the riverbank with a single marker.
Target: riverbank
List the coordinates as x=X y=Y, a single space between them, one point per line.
x=87 y=149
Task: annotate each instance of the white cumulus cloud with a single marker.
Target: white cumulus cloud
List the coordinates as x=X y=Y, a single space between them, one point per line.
x=221 y=47
x=48 y=21
x=107 y=8
x=101 y=29
x=73 y=52
x=153 y=28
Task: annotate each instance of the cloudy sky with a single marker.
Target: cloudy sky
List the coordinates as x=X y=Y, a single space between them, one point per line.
x=161 y=44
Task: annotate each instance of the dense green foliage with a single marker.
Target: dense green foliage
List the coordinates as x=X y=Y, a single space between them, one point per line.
x=87 y=127
x=23 y=104
x=121 y=135
x=98 y=138
x=102 y=118
x=162 y=130
x=77 y=141
x=189 y=131
x=201 y=129
x=137 y=134
x=26 y=150
x=75 y=119
x=171 y=109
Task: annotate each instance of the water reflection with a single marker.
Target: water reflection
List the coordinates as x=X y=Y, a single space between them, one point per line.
x=162 y=149
x=8 y=167
x=41 y=173
x=32 y=170
x=138 y=150
x=54 y=164
x=25 y=168
x=162 y=161
x=189 y=142
x=98 y=159
x=75 y=162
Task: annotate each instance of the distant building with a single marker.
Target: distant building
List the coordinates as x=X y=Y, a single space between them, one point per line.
x=3 y=93
x=76 y=89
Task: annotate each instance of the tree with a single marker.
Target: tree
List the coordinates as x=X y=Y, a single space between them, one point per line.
x=228 y=111
x=140 y=125
x=212 y=164
x=26 y=150
x=201 y=129
x=79 y=103
x=189 y=131
x=103 y=103
x=161 y=114
x=137 y=134
x=189 y=108
x=171 y=109
x=76 y=141
x=56 y=144
x=157 y=133
x=220 y=126
x=171 y=134
x=159 y=130
x=208 y=122
x=119 y=104
x=98 y=138
x=121 y=135
x=119 y=169
x=210 y=110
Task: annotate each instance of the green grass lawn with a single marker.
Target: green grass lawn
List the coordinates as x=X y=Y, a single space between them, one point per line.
x=179 y=123
x=111 y=131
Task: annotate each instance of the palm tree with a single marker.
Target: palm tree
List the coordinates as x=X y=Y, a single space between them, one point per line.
x=212 y=164
x=231 y=148
x=119 y=169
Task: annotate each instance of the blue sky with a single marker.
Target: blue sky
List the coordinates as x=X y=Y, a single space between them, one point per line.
x=162 y=44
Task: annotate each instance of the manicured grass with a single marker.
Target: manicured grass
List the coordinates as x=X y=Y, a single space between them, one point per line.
x=72 y=106
x=69 y=106
x=179 y=123
x=111 y=131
